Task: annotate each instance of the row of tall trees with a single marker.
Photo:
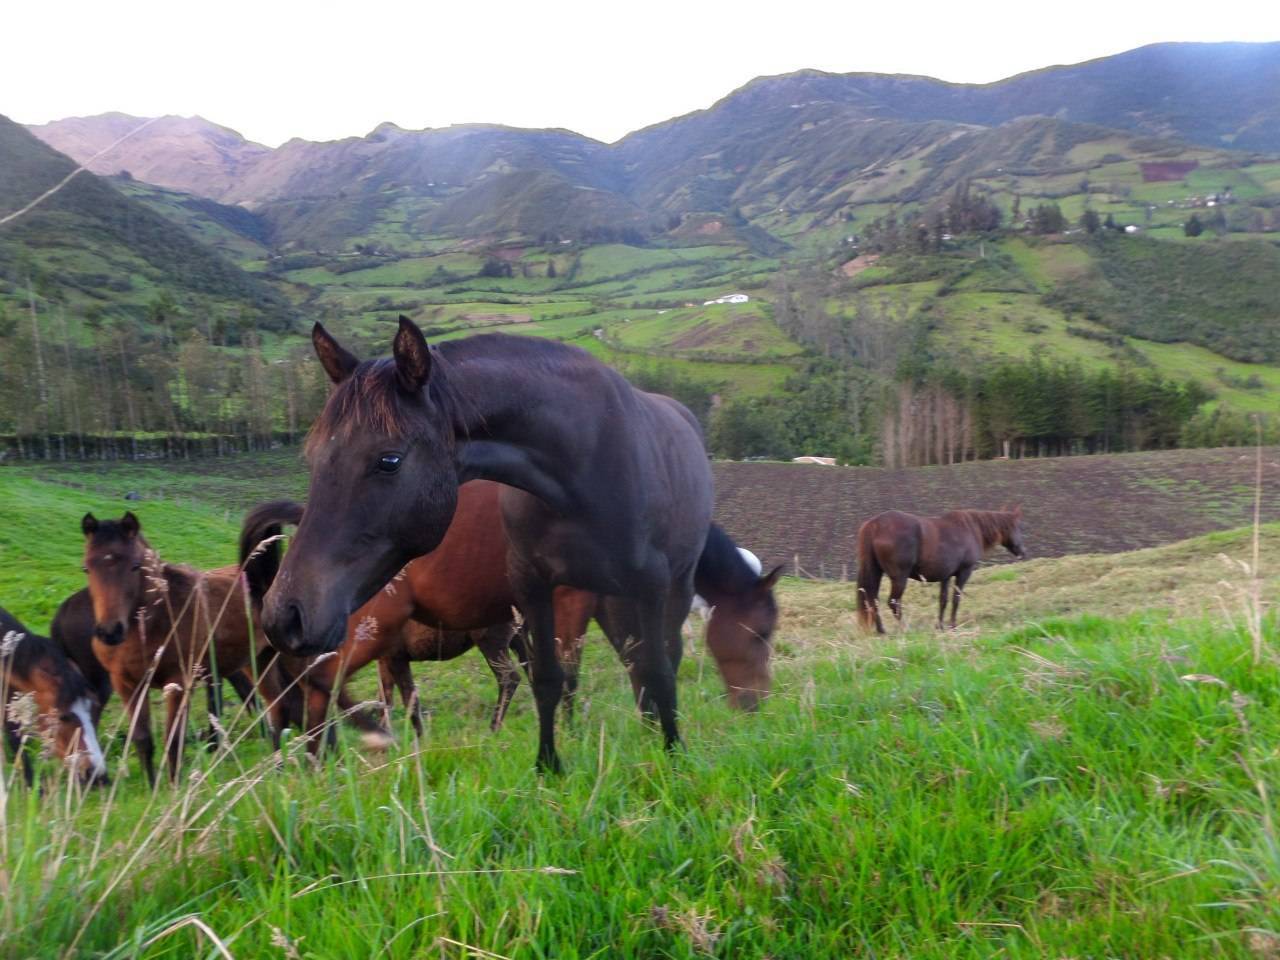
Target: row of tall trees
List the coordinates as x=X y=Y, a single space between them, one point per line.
x=1034 y=408
x=115 y=388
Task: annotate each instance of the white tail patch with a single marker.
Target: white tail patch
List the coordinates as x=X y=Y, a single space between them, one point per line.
x=89 y=736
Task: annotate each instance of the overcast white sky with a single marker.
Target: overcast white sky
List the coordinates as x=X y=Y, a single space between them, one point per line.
x=320 y=70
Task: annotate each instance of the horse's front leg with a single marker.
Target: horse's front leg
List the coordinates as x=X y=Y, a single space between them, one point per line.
x=137 y=701
x=176 y=704
x=653 y=662
x=13 y=740
x=942 y=602
x=547 y=676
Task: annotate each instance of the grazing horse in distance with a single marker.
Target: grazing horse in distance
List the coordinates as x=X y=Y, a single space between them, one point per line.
x=905 y=547
x=165 y=626
x=608 y=490
x=30 y=663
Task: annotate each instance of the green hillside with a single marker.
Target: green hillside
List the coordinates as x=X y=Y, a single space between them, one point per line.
x=93 y=250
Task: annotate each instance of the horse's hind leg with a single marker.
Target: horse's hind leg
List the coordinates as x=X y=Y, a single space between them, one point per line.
x=213 y=701
x=574 y=609
x=495 y=645
x=962 y=578
x=398 y=672
x=386 y=691
x=897 y=587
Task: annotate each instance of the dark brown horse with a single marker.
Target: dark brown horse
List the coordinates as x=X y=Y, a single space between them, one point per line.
x=905 y=547
x=164 y=626
x=609 y=490
x=30 y=663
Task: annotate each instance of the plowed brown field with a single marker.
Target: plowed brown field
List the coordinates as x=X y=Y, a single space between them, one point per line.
x=1097 y=504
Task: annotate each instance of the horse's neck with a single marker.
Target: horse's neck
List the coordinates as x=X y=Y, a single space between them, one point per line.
x=526 y=432
x=172 y=595
x=990 y=527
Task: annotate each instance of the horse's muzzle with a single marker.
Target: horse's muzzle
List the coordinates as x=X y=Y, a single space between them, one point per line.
x=112 y=635
x=286 y=627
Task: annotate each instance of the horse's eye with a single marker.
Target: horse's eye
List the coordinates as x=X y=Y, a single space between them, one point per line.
x=136 y=566
x=389 y=463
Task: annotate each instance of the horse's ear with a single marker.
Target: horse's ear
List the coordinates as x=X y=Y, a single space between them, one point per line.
x=413 y=357
x=88 y=524
x=129 y=524
x=771 y=578
x=337 y=362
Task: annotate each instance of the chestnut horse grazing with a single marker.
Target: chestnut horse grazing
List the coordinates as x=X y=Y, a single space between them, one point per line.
x=437 y=608
x=164 y=626
x=905 y=547
x=440 y=605
x=30 y=663
x=608 y=490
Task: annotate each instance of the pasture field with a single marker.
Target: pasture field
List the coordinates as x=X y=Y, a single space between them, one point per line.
x=1073 y=505
x=1085 y=769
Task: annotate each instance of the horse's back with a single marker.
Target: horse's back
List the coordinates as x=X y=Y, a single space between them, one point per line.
x=463 y=583
x=649 y=483
x=9 y=623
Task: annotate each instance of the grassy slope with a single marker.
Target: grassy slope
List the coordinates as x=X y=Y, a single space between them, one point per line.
x=1028 y=787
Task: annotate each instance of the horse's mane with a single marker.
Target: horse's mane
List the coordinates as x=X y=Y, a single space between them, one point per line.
x=370 y=398
x=22 y=651
x=721 y=567
x=990 y=526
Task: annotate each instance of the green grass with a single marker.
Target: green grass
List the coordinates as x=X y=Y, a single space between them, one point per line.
x=1045 y=782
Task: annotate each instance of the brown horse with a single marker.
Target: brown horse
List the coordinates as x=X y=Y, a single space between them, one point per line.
x=462 y=586
x=72 y=630
x=905 y=547
x=165 y=626
x=30 y=663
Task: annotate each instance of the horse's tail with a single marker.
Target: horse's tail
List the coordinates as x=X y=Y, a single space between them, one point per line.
x=259 y=546
x=869 y=574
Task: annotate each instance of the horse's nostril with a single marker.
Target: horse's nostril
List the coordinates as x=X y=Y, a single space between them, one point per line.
x=289 y=628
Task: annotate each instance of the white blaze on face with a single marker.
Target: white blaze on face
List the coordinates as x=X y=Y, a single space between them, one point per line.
x=752 y=560
x=89 y=736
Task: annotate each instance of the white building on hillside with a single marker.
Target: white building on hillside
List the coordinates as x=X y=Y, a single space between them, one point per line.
x=728 y=298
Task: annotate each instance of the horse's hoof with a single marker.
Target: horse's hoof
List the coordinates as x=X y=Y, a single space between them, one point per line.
x=377 y=741
x=550 y=763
